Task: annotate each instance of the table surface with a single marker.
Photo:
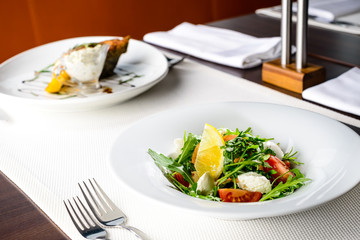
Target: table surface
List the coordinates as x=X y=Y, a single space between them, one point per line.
x=337 y=52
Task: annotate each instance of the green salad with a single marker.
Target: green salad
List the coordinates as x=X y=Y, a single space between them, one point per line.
x=231 y=166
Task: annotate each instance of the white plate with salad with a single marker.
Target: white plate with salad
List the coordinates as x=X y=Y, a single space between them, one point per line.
x=267 y=160
x=24 y=78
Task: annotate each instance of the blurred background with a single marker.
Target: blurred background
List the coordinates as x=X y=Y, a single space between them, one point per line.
x=30 y=23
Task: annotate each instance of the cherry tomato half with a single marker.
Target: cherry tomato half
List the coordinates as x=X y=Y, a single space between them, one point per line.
x=181 y=179
x=280 y=167
x=238 y=195
x=229 y=137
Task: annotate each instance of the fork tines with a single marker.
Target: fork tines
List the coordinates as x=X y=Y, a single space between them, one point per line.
x=83 y=221
x=103 y=208
x=105 y=211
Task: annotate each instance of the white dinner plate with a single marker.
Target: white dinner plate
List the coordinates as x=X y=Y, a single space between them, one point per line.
x=142 y=59
x=328 y=149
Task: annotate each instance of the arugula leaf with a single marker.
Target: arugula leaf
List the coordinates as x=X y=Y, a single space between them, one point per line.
x=176 y=183
x=290 y=156
x=284 y=189
x=164 y=162
x=167 y=163
x=206 y=197
x=240 y=166
x=189 y=145
x=244 y=153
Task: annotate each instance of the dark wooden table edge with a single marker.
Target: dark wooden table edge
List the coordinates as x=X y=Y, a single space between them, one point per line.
x=52 y=227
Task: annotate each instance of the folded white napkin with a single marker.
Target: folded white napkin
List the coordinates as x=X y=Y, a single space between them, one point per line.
x=342 y=93
x=329 y=10
x=218 y=45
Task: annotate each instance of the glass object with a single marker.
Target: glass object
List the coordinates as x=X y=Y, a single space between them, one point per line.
x=84 y=65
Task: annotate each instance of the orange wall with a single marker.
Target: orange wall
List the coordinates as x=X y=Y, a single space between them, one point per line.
x=29 y=23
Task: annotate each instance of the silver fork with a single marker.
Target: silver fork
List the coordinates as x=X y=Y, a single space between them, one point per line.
x=83 y=221
x=173 y=61
x=105 y=211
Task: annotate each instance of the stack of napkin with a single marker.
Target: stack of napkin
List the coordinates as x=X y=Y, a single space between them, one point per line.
x=218 y=45
x=329 y=10
x=342 y=93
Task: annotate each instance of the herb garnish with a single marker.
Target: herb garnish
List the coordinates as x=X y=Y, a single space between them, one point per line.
x=38 y=73
x=284 y=189
x=243 y=153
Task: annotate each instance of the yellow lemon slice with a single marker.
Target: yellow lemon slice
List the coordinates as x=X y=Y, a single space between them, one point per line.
x=210 y=155
x=54 y=86
x=57 y=82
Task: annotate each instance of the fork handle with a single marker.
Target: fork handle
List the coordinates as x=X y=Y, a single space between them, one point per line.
x=138 y=233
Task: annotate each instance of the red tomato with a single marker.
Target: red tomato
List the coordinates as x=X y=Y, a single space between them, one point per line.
x=181 y=179
x=287 y=163
x=238 y=195
x=280 y=167
x=229 y=137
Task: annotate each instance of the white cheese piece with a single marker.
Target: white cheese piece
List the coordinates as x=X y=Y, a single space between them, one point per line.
x=87 y=63
x=275 y=148
x=222 y=131
x=205 y=184
x=179 y=144
x=254 y=182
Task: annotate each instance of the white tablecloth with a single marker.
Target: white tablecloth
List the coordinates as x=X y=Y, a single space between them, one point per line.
x=47 y=154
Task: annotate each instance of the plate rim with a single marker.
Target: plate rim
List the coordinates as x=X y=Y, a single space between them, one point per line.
x=222 y=216
x=44 y=104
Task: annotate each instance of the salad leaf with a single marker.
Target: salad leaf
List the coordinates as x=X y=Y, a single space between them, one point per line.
x=284 y=189
x=165 y=162
x=240 y=166
x=243 y=153
x=189 y=145
x=290 y=156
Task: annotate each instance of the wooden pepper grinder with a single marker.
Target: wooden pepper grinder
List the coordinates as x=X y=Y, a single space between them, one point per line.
x=299 y=75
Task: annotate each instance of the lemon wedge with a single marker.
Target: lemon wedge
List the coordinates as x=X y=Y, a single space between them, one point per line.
x=210 y=155
x=57 y=82
x=54 y=86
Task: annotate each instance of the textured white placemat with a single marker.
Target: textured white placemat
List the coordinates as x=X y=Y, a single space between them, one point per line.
x=47 y=154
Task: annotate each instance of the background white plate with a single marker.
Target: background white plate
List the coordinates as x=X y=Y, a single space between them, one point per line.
x=141 y=58
x=328 y=149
